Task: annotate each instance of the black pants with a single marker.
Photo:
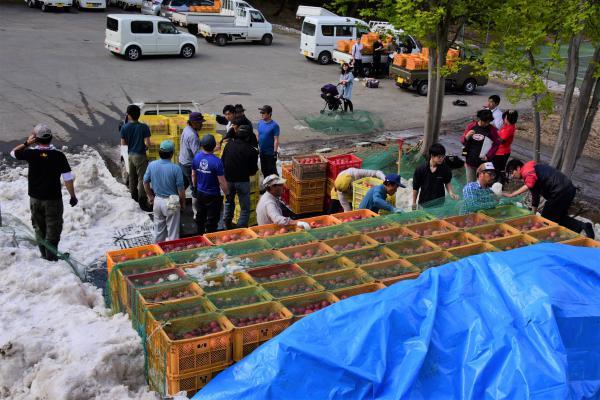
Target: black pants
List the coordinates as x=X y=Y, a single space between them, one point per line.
x=47 y=222
x=208 y=212
x=334 y=207
x=500 y=165
x=358 y=68
x=348 y=105
x=376 y=67
x=557 y=209
x=268 y=164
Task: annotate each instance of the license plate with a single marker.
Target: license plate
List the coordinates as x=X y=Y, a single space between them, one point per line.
x=59 y=4
x=89 y=6
x=306 y=53
x=400 y=80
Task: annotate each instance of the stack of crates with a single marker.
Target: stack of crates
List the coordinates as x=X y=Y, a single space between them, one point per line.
x=306 y=184
x=254 y=197
x=335 y=165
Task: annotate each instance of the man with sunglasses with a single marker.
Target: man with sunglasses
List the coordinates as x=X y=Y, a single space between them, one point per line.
x=478 y=195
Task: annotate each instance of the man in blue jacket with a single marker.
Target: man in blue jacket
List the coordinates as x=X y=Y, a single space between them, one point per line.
x=375 y=199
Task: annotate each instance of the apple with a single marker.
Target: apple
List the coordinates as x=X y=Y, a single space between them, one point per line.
x=202 y=329
x=259 y=318
x=283 y=274
x=340 y=282
x=229 y=302
x=389 y=272
x=308 y=308
x=291 y=290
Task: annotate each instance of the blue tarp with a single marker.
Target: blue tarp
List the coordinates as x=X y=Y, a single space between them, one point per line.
x=522 y=324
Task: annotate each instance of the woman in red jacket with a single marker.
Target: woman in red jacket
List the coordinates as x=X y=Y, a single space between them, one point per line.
x=507 y=135
x=476 y=135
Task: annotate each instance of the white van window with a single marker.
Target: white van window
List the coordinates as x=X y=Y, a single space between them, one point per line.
x=142 y=27
x=327 y=30
x=255 y=16
x=343 y=30
x=112 y=24
x=166 y=28
x=309 y=29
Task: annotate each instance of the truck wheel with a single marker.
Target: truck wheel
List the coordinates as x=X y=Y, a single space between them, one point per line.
x=324 y=58
x=45 y=8
x=221 y=40
x=193 y=29
x=267 y=39
x=469 y=86
x=422 y=88
x=208 y=39
x=187 y=51
x=30 y=3
x=133 y=53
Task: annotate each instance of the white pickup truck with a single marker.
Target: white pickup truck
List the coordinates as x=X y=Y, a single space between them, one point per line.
x=191 y=19
x=47 y=4
x=249 y=25
x=126 y=4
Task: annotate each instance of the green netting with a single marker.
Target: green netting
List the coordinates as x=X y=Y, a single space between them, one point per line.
x=505 y=212
x=246 y=247
x=410 y=217
x=345 y=123
x=332 y=232
x=197 y=256
x=290 y=239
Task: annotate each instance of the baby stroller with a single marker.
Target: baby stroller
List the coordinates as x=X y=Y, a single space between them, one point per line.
x=331 y=95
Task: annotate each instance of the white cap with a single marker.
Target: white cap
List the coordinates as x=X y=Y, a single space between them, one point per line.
x=273 y=180
x=42 y=129
x=487 y=166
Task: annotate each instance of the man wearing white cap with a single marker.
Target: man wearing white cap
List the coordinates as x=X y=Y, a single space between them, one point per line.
x=268 y=210
x=478 y=195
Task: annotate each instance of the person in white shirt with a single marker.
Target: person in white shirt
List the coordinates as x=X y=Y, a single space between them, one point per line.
x=357 y=57
x=268 y=209
x=341 y=193
x=493 y=106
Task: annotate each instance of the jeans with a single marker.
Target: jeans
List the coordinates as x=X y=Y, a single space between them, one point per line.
x=137 y=168
x=557 y=209
x=208 y=212
x=242 y=189
x=348 y=105
x=268 y=164
x=47 y=222
x=166 y=221
x=187 y=181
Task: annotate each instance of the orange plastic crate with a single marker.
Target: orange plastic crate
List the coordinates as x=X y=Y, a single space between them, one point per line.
x=493 y=231
x=431 y=228
x=151 y=297
x=118 y=256
x=310 y=251
x=393 y=235
x=472 y=249
x=326 y=265
x=408 y=248
x=583 y=242
x=293 y=287
x=322 y=221
x=392 y=271
x=513 y=242
x=298 y=305
x=343 y=279
x=268 y=230
x=346 y=293
x=448 y=241
x=530 y=223
x=400 y=60
x=317 y=169
x=306 y=187
x=190 y=383
x=554 y=234
x=470 y=220
x=286 y=170
x=306 y=204
x=351 y=243
x=429 y=260
x=354 y=215
x=233 y=235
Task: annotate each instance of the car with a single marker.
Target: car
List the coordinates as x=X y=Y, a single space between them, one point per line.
x=168 y=7
x=135 y=35
x=151 y=7
x=90 y=4
x=46 y=5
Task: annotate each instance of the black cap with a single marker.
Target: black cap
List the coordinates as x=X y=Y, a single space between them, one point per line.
x=267 y=109
x=239 y=108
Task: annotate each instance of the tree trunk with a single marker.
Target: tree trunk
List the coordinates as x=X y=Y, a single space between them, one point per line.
x=281 y=7
x=570 y=84
x=589 y=119
x=537 y=134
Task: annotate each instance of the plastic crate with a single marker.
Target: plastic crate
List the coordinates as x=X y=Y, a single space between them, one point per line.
x=322 y=221
x=309 y=251
x=355 y=215
x=343 y=279
x=392 y=271
x=583 y=241
x=227 y=282
x=190 y=383
x=177 y=309
x=233 y=235
x=371 y=224
x=157 y=139
x=239 y=297
x=162 y=277
x=285 y=195
x=554 y=234
x=275 y=273
x=192 y=258
x=513 y=242
x=246 y=338
x=194 y=353
x=530 y=223
x=332 y=232
x=472 y=249
x=503 y=213
x=431 y=228
x=158 y=124
x=407 y=248
x=493 y=231
x=351 y=243
x=286 y=170
x=306 y=304
x=330 y=186
x=118 y=256
x=411 y=217
x=263 y=258
x=341 y=162
x=367 y=257
x=470 y=220
x=360 y=187
x=448 y=241
x=433 y=259
x=246 y=247
x=292 y=287
x=265 y=231
x=346 y=293
x=316 y=170
x=306 y=204
x=189 y=243
x=306 y=188
x=155 y=296
x=291 y=239
x=393 y=235
x=326 y=265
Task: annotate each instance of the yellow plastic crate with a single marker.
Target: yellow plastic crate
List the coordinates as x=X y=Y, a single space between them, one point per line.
x=158 y=124
x=360 y=187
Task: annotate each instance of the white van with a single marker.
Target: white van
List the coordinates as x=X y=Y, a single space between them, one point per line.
x=321 y=33
x=134 y=35
x=90 y=4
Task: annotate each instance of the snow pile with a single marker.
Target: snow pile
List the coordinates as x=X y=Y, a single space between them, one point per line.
x=57 y=339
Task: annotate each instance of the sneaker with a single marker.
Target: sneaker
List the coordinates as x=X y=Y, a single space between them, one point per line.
x=589 y=230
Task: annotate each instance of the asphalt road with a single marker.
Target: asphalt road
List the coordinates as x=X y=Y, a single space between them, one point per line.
x=54 y=69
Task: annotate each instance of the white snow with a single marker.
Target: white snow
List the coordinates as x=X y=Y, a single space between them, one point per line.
x=57 y=339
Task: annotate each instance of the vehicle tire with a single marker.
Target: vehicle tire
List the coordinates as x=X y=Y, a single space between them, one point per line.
x=208 y=39
x=124 y=6
x=193 y=29
x=133 y=53
x=469 y=86
x=31 y=3
x=45 y=8
x=221 y=40
x=422 y=88
x=324 y=58
x=267 y=40
x=187 y=51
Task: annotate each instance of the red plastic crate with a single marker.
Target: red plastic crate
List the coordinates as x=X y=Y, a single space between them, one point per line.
x=339 y=163
x=184 y=244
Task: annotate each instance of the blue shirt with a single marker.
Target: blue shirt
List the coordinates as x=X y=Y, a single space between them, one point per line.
x=134 y=134
x=374 y=200
x=266 y=136
x=477 y=198
x=208 y=168
x=165 y=177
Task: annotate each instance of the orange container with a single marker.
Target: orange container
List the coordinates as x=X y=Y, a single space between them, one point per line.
x=232 y=235
x=453 y=54
x=392 y=271
x=371 y=256
x=400 y=60
x=118 y=256
x=273 y=229
x=554 y=234
x=190 y=383
x=306 y=204
x=309 y=251
x=451 y=240
x=472 y=249
x=286 y=170
x=354 y=215
x=407 y=248
x=346 y=293
x=306 y=304
x=513 y=242
x=470 y=220
x=308 y=187
x=429 y=260
x=493 y=231
x=392 y=235
x=583 y=242
x=351 y=243
x=530 y=223
x=343 y=46
x=322 y=221
x=431 y=228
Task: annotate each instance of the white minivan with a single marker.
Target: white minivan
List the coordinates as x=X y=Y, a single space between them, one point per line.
x=90 y=4
x=134 y=35
x=321 y=33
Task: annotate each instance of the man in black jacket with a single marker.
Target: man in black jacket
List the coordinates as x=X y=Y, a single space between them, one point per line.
x=240 y=161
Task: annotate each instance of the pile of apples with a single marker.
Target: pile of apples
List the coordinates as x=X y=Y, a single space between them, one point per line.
x=145 y=254
x=515 y=245
x=287 y=274
x=305 y=309
x=469 y=222
x=554 y=236
x=377 y=228
x=390 y=272
x=171 y=248
x=391 y=238
x=179 y=313
x=433 y=230
x=310 y=160
x=155 y=280
x=272 y=232
x=352 y=218
x=309 y=253
x=319 y=224
x=368 y=258
x=172 y=294
x=411 y=251
x=446 y=244
x=290 y=290
x=233 y=237
x=349 y=246
x=229 y=302
x=432 y=263
x=333 y=235
x=216 y=285
x=323 y=267
x=495 y=234
x=259 y=318
x=206 y=328
x=340 y=282
x=531 y=226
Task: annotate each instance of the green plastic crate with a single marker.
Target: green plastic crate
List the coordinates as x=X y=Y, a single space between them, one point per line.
x=372 y=224
x=411 y=217
x=239 y=297
x=246 y=247
x=332 y=232
x=290 y=239
x=503 y=213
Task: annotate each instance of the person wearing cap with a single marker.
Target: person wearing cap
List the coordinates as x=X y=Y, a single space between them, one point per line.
x=375 y=199
x=268 y=141
x=240 y=162
x=268 y=209
x=554 y=186
x=208 y=177
x=432 y=179
x=136 y=136
x=477 y=137
x=189 y=145
x=341 y=192
x=46 y=166
x=478 y=195
x=165 y=188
